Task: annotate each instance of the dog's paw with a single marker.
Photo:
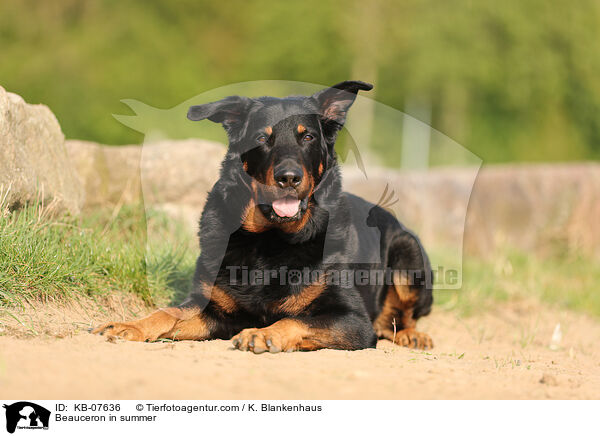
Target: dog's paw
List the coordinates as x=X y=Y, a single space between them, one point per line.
x=260 y=340
x=413 y=339
x=122 y=330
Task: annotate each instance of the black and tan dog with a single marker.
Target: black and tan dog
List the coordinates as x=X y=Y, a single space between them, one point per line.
x=278 y=207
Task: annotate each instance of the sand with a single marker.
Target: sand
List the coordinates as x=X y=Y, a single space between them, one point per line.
x=502 y=354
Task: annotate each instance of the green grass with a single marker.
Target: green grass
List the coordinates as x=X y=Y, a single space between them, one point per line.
x=566 y=280
x=44 y=257
x=49 y=258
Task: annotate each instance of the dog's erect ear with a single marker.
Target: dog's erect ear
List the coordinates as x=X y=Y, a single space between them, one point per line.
x=231 y=112
x=334 y=102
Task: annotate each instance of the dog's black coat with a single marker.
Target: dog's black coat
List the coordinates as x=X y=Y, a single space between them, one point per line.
x=300 y=133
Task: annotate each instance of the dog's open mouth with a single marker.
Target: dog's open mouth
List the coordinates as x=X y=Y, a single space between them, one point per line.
x=286 y=207
x=282 y=206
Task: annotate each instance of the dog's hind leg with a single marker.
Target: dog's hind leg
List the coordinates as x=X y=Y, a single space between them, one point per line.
x=408 y=297
x=396 y=320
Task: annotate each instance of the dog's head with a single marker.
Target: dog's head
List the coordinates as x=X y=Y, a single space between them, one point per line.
x=286 y=145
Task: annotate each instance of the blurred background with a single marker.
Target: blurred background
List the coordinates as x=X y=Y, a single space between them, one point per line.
x=511 y=81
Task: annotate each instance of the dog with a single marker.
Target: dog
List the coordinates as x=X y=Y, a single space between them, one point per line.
x=278 y=207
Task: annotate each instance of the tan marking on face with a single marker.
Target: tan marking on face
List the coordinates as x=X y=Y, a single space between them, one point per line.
x=301 y=128
x=253 y=220
x=245 y=165
x=269 y=130
x=270 y=177
x=321 y=169
x=308 y=184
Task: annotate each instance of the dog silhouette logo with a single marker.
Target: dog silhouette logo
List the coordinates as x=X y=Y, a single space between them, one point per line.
x=26 y=415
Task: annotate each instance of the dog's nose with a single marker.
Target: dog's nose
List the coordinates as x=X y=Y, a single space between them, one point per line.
x=288 y=176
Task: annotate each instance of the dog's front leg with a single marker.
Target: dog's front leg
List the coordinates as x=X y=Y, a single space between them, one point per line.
x=307 y=334
x=171 y=323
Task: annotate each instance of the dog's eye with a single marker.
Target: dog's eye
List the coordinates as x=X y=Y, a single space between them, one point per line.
x=308 y=137
x=262 y=139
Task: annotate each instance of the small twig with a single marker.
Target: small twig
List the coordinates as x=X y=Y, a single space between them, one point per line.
x=394 y=324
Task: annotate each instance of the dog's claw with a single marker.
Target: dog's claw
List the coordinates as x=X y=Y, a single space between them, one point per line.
x=411 y=339
x=258 y=350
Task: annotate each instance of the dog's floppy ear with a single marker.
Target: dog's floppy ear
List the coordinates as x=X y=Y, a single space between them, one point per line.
x=334 y=102
x=231 y=112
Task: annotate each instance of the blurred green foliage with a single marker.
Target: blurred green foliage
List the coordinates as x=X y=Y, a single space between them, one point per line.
x=515 y=80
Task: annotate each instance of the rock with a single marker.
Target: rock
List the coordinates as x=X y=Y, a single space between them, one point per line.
x=530 y=207
x=33 y=161
x=534 y=208
x=174 y=176
x=108 y=174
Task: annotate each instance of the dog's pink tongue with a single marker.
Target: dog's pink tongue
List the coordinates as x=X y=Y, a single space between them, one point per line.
x=286 y=207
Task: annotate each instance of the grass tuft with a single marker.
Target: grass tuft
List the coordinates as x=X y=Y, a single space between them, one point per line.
x=45 y=257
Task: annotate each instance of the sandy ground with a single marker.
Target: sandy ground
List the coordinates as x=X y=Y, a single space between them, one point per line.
x=503 y=354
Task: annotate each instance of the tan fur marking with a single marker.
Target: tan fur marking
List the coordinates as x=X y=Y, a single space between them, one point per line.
x=194 y=328
x=389 y=314
x=287 y=335
x=222 y=299
x=297 y=303
x=269 y=130
x=308 y=184
x=270 y=181
x=162 y=323
x=253 y=220
x=397 y=307
x=395 y=321
x=301 y=128
x=321 y=169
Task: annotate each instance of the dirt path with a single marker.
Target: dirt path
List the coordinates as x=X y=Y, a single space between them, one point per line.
x=502 y=354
